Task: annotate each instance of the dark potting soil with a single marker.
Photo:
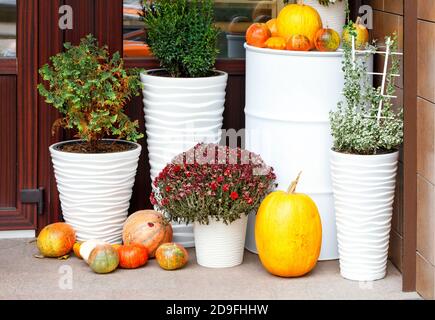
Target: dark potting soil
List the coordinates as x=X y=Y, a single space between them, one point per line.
x=100 y=147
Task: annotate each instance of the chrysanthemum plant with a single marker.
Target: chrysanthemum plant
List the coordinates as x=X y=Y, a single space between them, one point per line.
x=212 y=182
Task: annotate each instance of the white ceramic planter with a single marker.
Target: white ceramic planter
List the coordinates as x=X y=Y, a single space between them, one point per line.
x=95 y=190
x=364 y=188
x=219 y=245
x=333 y=16
x=179 y=113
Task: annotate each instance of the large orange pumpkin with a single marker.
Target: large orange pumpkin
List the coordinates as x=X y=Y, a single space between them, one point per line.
x=298 y=43
x=299 y=19
x=172 y=256
x=288 y=233
x=56 y=240
x=149 y=228
x=132 y=256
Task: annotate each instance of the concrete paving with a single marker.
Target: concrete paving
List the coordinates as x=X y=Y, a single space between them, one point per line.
x=22 y=276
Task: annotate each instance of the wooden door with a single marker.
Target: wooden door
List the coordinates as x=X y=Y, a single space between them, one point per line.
x=18 y=122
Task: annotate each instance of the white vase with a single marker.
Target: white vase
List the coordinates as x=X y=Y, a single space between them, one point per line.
x=219 y=245
x=333 y=16
x=179 y=113
x=364 y=188
x=95 y=190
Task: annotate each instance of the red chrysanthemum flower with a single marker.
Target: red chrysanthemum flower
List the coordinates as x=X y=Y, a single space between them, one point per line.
x=234 y=196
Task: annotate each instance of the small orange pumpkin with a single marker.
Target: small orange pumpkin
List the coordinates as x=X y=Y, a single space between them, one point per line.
x=298 y=43
x=277 y=43
x=273 y=28
x=76 y=249
x=172 y=256
x=132 y=256
x=147 y=227
x=327 y=40
x=257 y=35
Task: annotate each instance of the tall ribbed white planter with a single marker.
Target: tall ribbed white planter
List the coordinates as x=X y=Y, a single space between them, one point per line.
x=179 y=113
x=364 y=188
x=95 y=190
x=219 y=245
x=333 y=16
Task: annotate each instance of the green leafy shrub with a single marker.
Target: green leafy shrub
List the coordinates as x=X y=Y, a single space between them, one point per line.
x=356 y=127
x=90 y=89
x=182 y=35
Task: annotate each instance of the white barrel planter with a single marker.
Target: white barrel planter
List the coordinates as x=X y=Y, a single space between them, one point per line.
x=364 y=188
x=333 y=16
x=95 y=190
x=218 y=245
x=289 y=95
x=179 y=113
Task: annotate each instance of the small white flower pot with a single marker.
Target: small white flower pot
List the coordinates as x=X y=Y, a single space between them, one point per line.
x=219 y=245
x=179 y=113
x=333 y=16
x=95 y=190
x=364 y=188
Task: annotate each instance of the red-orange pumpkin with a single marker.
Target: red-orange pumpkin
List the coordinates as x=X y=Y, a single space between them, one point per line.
x=172 y=256
x=56 y=240
x=147 y=227
x=298 y=43
x=132 y=256
x=257 y=35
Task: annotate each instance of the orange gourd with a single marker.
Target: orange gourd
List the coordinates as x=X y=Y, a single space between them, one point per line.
x=172 y=256
x=257 y=35
x=276 y=43
x=147 y=227
x=132 y=256
x=288 y=233
x=56 y=240
x=327 y=40
x=273 y=28
x=298 y=43
x=299 y=19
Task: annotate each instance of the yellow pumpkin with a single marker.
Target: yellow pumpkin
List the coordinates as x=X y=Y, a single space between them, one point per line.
x=362 y=35
x=276 y=43
x=299 y=19
x=288 y=233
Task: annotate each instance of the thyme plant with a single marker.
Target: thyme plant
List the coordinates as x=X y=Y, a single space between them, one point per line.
x=357 y=126
x=182 y=35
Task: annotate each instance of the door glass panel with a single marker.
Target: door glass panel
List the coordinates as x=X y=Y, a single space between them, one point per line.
x=8 y=28
x=233 y=17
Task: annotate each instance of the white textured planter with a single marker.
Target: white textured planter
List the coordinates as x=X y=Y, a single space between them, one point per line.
x=179 y=113
x=95 y=190
x=364 y=188
x=219 y=245
x=333 y=16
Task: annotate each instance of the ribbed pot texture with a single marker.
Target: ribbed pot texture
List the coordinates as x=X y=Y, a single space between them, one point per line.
x=179 y=113
x=364 y=188
x=333 y=16
x=95 y=190
x=219 y=245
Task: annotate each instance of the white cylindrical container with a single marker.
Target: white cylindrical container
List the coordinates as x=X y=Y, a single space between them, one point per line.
x=179 y=113
x=333 y=16
x=95 y=190
x=235 y=45
x=289 y=95
x=218 y=245
x=364 y=188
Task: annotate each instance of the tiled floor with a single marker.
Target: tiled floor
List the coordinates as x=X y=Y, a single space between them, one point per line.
x=24 y=277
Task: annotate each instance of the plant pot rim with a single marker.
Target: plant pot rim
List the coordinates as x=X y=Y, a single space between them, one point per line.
x=149 y=73
x=365 y=156
x=54 y=149
x=214 y=219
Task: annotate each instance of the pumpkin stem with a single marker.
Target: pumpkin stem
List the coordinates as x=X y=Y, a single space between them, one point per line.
x=300 y=2
x=294 y=184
